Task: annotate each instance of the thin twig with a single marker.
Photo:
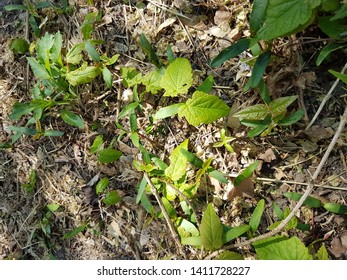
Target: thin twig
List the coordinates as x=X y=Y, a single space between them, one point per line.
x=302 y=199
x=166 y=216
x=326 y=98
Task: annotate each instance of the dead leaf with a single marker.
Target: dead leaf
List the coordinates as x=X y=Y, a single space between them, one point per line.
x=234 y=122
x=166 y=23
x=317 y=132
x=309 y=146
x=339 y=245
x=267 y=156
x=222 y=19
x=305 y=79
x=245 y=188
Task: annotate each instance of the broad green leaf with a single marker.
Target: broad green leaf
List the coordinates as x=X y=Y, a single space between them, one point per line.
x=256 y=215
x=111 y=198
x=278 y=211
x=229 y=255
x=82 y=75
x=152 y=81
x=203 y=108
x=140 y=189
x=188 y=227
x=282 y=17
x=39 y=70
x=309 y=201
x=53 y=133
x=327 y=50
x=167 y=111
x=74 y=56
x=206 y=85
x=23 y=130
x=340 y=13
x=235 y=232
x=102 y=185
x=88 y=25
x=75 y=231
x=290 y=225
x=14 y=7
x=256 y=112
x=178 y=162
x=106 y=74
x=43 y=46
x=211 y=229
x=279 y=105
x=281 y=248
x=52 y=207
x=336 y=208
x=264 y=92
x=259 y=68
x=109 y=155
x=169 y=208
x=333 y=28
x=93 y=53
x=230 y=52
x=178 y=78
x=170 y=54
x=127 y=109
x=322 y=253
x=293 y=118
x=159 y=163
x=55 y=53
x=97 y=144
x=20 y=109
x=5 y=145
x=342 y=77
x=149 y=50
x=258 y=15
x=72 y=119
x=146 y=204
x=329 y=5
x=256 y=131
x=245 y=173
x=192 y=240
x=131 y=76
x=19 y=45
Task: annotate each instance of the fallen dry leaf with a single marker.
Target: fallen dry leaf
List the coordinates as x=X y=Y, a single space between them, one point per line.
x=339 y=245
x=246 y=187
x=267 y=156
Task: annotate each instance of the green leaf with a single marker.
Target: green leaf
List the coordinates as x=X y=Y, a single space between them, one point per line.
x=178 y=78
x=279 y=105
x=322 y=253
x=256 y=215
x=106 y=74
x=16 y=8
x=293 y=118
x=211 y=229
x=52 y=207
x=336 y=208
x=342 y=77
x=188 y=227
x=102 y=185
x=327 y=50
x=55 y=52
x=340 y=13
x=39 y=70
x=128 y=109
x=170 y=54
x=192 y=158
x=43 y=47
x=109 y=61
x=152 y=81
x=140 y=189
x=206 y=85
x=257 y=130
x=192 y=240
x=23 y=130
x=230 y=52
x=88 y=25
x=20 y=109
x=229 y=255
x=309 y=201
x=148 y=49
x=245 y=173
x=259 y=68
x=203 y=108
x=333 y=28
x=109 y=155
x=167 y=111
x=97 y=144
x=53 y=133
x=256 y=112
x=82 y=75
x=178 y=162
x=19 y=45
x=235 y=232
x=281 y=248
x=72 y=119
x=168 y=208
x=258 y=15
x=74 y=56
x=264 y=92
x=111 y=198
x=278 y=211
x=283 y=17
x=93 y=53
x=75 y=231
x=131 y=76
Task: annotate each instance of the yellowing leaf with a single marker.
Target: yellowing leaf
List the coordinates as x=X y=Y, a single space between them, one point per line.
x=203 y=108
x=178 y=77
x=211 y=230
x=178 y=163
x=82 y=75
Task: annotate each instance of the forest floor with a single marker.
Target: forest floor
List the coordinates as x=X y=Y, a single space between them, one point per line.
x=67 y=171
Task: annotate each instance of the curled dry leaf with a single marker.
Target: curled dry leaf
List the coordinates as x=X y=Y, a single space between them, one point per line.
x=246 y=187
x=339 y=246
x=267 y=156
